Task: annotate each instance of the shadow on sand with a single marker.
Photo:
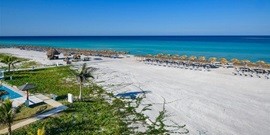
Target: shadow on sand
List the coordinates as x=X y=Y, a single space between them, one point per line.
x=131 y=95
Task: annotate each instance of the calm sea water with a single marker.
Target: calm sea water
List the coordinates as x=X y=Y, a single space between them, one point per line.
x=242 y=47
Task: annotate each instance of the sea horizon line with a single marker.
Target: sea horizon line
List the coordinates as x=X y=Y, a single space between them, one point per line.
x=138 y=36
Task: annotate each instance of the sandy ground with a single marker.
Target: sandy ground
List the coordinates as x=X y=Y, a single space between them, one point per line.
x=209 y=103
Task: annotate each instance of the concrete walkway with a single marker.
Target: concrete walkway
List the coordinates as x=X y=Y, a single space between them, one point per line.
x=58 y=107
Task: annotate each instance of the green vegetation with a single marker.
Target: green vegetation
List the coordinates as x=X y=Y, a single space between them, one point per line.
x=59 y=81
x=99 y=112
x=41 y=131
x=7 y=114
x=29 y=64
x=23 y=112
x=10 y=60
x=82 y=77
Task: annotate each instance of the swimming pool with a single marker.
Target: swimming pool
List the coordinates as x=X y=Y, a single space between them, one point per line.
x=11 y=94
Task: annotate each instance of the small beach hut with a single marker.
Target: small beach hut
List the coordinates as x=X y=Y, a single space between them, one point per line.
x=52 y=54
x=76 y=56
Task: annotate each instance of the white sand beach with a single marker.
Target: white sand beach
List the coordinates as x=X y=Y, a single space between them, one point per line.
x=209 y=103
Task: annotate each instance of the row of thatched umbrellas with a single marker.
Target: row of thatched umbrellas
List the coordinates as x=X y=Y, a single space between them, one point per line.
x=107 y=53
x=161 y=57
x=203 y=59
x=51 y=53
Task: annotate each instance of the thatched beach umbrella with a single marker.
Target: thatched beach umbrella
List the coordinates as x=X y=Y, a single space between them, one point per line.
x=159 y=56
x=235 y=61
x=26 y=87
x=165 y=57
x=192 y=58
x=149 y=56
x=212 y=59
x=267 y=66
x=260 y=63
x=252 y=64
x=245 y=62
x=175 y=57
x=183 y=57
x=223 y=61
x=202 y=59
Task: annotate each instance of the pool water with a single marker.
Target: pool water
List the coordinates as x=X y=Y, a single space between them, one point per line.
x=11 y=94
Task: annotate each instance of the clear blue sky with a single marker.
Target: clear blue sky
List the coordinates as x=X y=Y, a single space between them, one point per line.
x=134 y=17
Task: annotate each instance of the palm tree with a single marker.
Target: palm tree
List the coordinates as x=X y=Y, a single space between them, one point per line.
x=223 y=61
x=212 y=59
x=82 y=77
x=10 y=61
x=7 y=114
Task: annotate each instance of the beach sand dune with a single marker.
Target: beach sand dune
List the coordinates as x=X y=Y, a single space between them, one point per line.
x=209 y=103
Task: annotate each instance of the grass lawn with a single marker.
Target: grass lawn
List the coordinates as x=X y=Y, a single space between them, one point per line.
x=59 y=80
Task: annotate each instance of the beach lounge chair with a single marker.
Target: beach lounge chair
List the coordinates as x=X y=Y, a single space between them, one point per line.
x=240 y=73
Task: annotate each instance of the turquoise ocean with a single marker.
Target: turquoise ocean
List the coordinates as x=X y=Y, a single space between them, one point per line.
x=253 y=48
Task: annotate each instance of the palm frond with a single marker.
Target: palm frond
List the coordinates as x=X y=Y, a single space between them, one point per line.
x=6 y=112
x=83 y=68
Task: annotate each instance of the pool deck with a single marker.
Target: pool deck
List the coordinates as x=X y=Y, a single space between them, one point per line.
x=21 y=100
